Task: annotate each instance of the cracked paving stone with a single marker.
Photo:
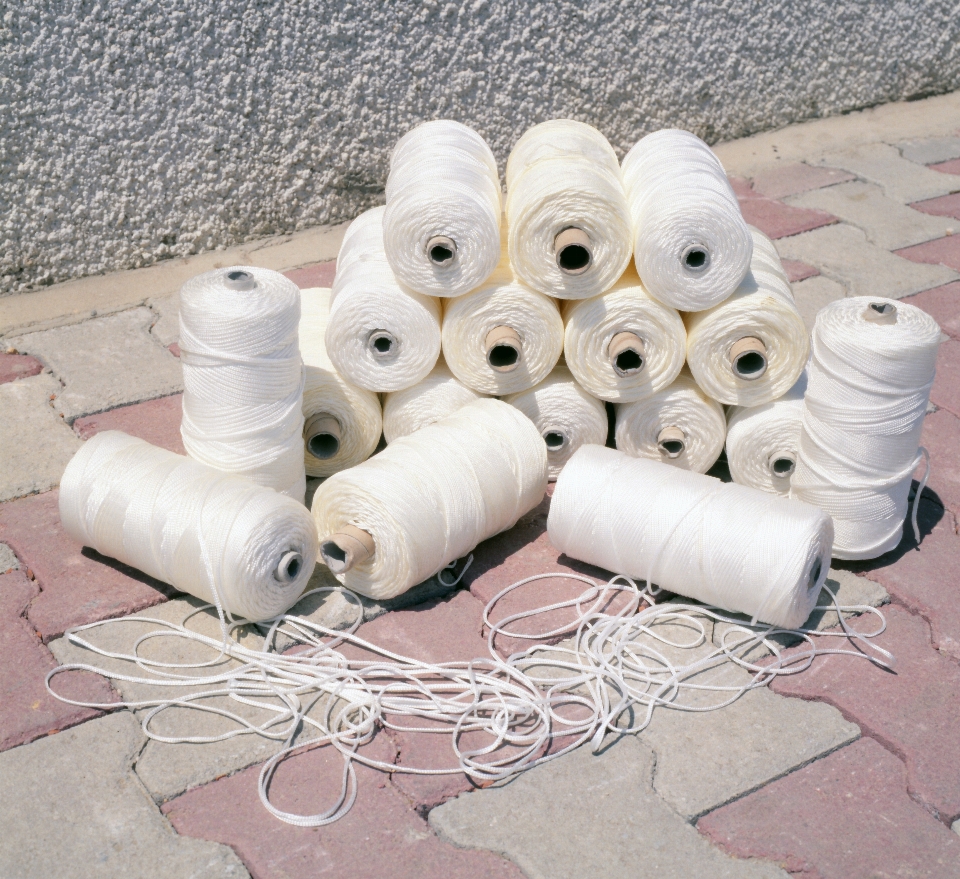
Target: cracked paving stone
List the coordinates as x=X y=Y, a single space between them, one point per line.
x=166 y=329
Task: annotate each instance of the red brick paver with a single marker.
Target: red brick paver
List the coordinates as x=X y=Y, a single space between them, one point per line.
x=156 y=421
x=794 y=179
x=941 y=438
x=941 y=251
x=951 y=166
x=946 y=386
x=799 y=271
x=318 y=275
x=14 y=366
x=943 y=303
x=847 y=816
x=778 y=220
x=943 y=206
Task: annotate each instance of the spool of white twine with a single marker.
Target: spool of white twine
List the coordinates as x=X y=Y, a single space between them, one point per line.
x=429 y=498
x=720 y=543
x=243 y=376
x=381 y=335
x=570 y=233
x=870 y=376
x=691 y=244
x=218 y=537
x=341 y=422
x=442 y=222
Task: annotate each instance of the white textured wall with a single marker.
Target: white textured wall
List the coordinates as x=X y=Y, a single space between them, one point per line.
x=133 y=131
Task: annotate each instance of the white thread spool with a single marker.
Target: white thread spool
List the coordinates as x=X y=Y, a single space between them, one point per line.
x=243 y=376
x=873 y=365
x=503 y=337
x=188 y=525
x=442 y=221
x=429 y=498
x=691 y=245
x=565 y=414
x=751 y=348
x=720 y=543
x=342 y=423
x=570 y=234
x=623 y=345
x=762 y=441
x=380 y=335
x=679 y=425
x=436 y=397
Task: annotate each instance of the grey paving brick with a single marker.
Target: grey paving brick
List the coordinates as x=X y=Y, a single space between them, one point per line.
x=167 y=309
x=105 y=362
x=36 y=442
x=72 y=807
x=931 y=150
x=589 y=815
x=886 y=223
x=8 y=561
x=843 y=254
x=812 y=294
x=901 y=179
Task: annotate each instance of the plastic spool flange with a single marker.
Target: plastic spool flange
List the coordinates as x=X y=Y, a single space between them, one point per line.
x=321 y=432
x=346 y=549
x=748 y=358
x=441 y=250
x=288 y=568
x=573 y=251
x=626 y=353
x=671 y=441
x=383 y=344
x=881 y=313
x=239 y=279
x=782 y=466
x=504 y=349
x=695 y=259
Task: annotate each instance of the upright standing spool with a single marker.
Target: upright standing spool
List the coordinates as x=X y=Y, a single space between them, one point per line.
x=429 y=498
x=342 y=423
x=719 y=543
x=873 y=365
x=243 y=376
x=380 y=335
x=691 y=245
x=623 y=345
x=442 y=221
x=569 y=225
x=215 y=536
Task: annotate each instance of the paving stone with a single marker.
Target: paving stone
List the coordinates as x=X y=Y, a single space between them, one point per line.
x=584 y=814
x=166 y=329
x=317 y=275
x=941 y=438
x=951 y=167
x=945 y=392
x=156 y=421
x=784 y=180
x=81 y=812
x=380 y=836
x=778 y=220
x=743 y=188
x=8 y=560
x=14 y=366
x=77 y=584
x=842 y=253
x=105 y=362
x=944 y=304
x=846 y=816
x=931 y=150
x=799 y=271
x=912 y=711
x=27 y=710
x=901 y=179
x=944 y=251
x=887 y=223
x=812 y=294
x=36 y=443
x=945 y=206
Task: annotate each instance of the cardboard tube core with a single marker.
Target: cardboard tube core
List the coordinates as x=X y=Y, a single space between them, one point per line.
x=239 y=279
x=322 y=435
x=748 y=358
x=441 y=250
x=349 y=547
x=573 y=251
x=555 y=439
x=881 y=313
x=382 y=344
x=504 y=349
x=671 y=441
x=626 y=353
x=782 y=465
x=288 y=568
x=695 y=258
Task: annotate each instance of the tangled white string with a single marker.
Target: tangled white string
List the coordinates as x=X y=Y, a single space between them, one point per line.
x=429 y=498
x=679 y=425
x=873 y=365
x=691 y=244
x=436 y=397
x=442 y=223
x=602 y=357
x=221 y=538
x=720 y=543
x=564 y=175
x=533 y=342
x=762 y=441
x=564 y=413
x=342 y=423
x=243 y=376
x=381 y=335
x=761 y=313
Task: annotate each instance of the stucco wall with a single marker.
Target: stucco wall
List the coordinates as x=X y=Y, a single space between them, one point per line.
x=133 y=131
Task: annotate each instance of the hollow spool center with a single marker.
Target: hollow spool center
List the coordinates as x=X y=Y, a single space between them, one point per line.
x=671 y=441
x=504 y=349
x=881 y=313
x=382 y=344
x=554 y=439
x=289 y=566
x=748 y=358
x=321 y=432
x=573 y=251
x=441 y=250
x=239 y=279
x=782 y=466
x=350 y=546
x=695 y=258
x=626 y=352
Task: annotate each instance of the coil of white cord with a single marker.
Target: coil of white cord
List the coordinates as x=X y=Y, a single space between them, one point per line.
x=869 y=383
x=243 y=376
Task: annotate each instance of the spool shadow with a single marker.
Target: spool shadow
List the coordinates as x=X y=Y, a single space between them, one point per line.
x=127 y=571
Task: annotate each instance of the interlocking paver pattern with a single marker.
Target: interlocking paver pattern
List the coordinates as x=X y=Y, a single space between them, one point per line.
x=942 y=251
x=931 y=150
x=800 y=177
x=156 y=421
x=943 y=303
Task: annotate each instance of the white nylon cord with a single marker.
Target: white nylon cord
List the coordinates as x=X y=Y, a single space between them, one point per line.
x=564 y=175
x=591 y=327
x=762 y=308
x=326 y=394
x=691 y=245
x=381 y=335
x=442 y=222
x=873 y=365
x=679 y=425
x=243 y=376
